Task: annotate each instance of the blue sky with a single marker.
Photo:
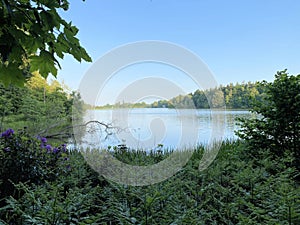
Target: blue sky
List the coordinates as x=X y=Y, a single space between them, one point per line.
x=238 y=40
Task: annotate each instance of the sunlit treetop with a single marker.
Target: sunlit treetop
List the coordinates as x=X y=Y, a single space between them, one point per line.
x=32 y=38
x=36 y=81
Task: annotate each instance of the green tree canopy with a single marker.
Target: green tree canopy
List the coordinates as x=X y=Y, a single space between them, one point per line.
x=277 y=127
x=33 y=36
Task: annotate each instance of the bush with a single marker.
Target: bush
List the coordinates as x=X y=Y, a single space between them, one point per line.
x=276 y=129
x=27 y=159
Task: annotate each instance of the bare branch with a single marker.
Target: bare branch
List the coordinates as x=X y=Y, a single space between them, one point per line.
x=67 y=132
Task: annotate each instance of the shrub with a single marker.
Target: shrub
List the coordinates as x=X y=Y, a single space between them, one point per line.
x=277 y=127
x=27 y=159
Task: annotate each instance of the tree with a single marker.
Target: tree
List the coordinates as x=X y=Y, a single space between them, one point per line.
x=200 y=100
x=277 y=127
x=32 y=38
x=215 y=98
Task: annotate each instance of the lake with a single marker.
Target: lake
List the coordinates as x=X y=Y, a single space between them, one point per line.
x=147 y=128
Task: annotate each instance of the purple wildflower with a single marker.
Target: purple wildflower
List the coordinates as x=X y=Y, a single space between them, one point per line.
x=44 y=140
x=64 y=147
x=55 y=150
x=48 y=148
x=7 y=133
x=7 y=149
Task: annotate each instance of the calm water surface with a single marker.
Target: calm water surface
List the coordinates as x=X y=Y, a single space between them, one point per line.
x=146 y=128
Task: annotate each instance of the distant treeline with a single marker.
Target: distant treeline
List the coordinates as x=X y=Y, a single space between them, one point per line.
x=234 y=96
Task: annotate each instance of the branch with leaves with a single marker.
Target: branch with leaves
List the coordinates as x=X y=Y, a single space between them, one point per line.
x=32 y=38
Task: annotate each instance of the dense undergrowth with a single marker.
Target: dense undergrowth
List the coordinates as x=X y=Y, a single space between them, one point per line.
x=234 y=189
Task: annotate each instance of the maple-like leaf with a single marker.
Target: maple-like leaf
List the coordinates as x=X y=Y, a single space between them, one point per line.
x=44 y=63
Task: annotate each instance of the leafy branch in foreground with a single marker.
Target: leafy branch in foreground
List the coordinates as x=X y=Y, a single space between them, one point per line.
x=32 y=38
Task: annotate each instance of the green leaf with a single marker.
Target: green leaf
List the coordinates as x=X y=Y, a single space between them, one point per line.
x=50 y=3
x=44 y=63
x=11 y=74
x=33 y=44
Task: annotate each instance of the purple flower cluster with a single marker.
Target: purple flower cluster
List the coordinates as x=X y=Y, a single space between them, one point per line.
x=64 y=147
x=43 y=140
x=55 y=150
x=11 y=142
x=50 y=149
x=8 y=133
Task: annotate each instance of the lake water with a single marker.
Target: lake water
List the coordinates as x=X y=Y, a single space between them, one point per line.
x=150 y=127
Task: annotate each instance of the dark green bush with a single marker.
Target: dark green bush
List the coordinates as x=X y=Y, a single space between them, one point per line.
x=70 y=199
x=27 y=159
x=276 y=129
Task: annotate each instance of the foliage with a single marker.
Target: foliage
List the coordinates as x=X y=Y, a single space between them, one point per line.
x=33 y=36
x=238 y=96
x=27 y=159
x=277 y=128
x=45 y=109
x=70 y=199
x=233 y=190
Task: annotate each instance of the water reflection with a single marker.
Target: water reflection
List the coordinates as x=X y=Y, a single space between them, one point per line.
x=147 y=128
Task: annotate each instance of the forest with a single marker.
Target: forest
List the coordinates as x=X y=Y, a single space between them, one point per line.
x=44 y=109
x=234 y=96
x=253 y=180
x=231 y=96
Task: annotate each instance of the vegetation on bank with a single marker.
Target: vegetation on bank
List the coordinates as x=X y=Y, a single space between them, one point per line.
x=232 y=96
x=44 y=108
x=235 y=189
x=277 y=129
x=254 y=180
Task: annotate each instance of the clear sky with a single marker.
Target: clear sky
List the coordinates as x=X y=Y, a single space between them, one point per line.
x=239 y=40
